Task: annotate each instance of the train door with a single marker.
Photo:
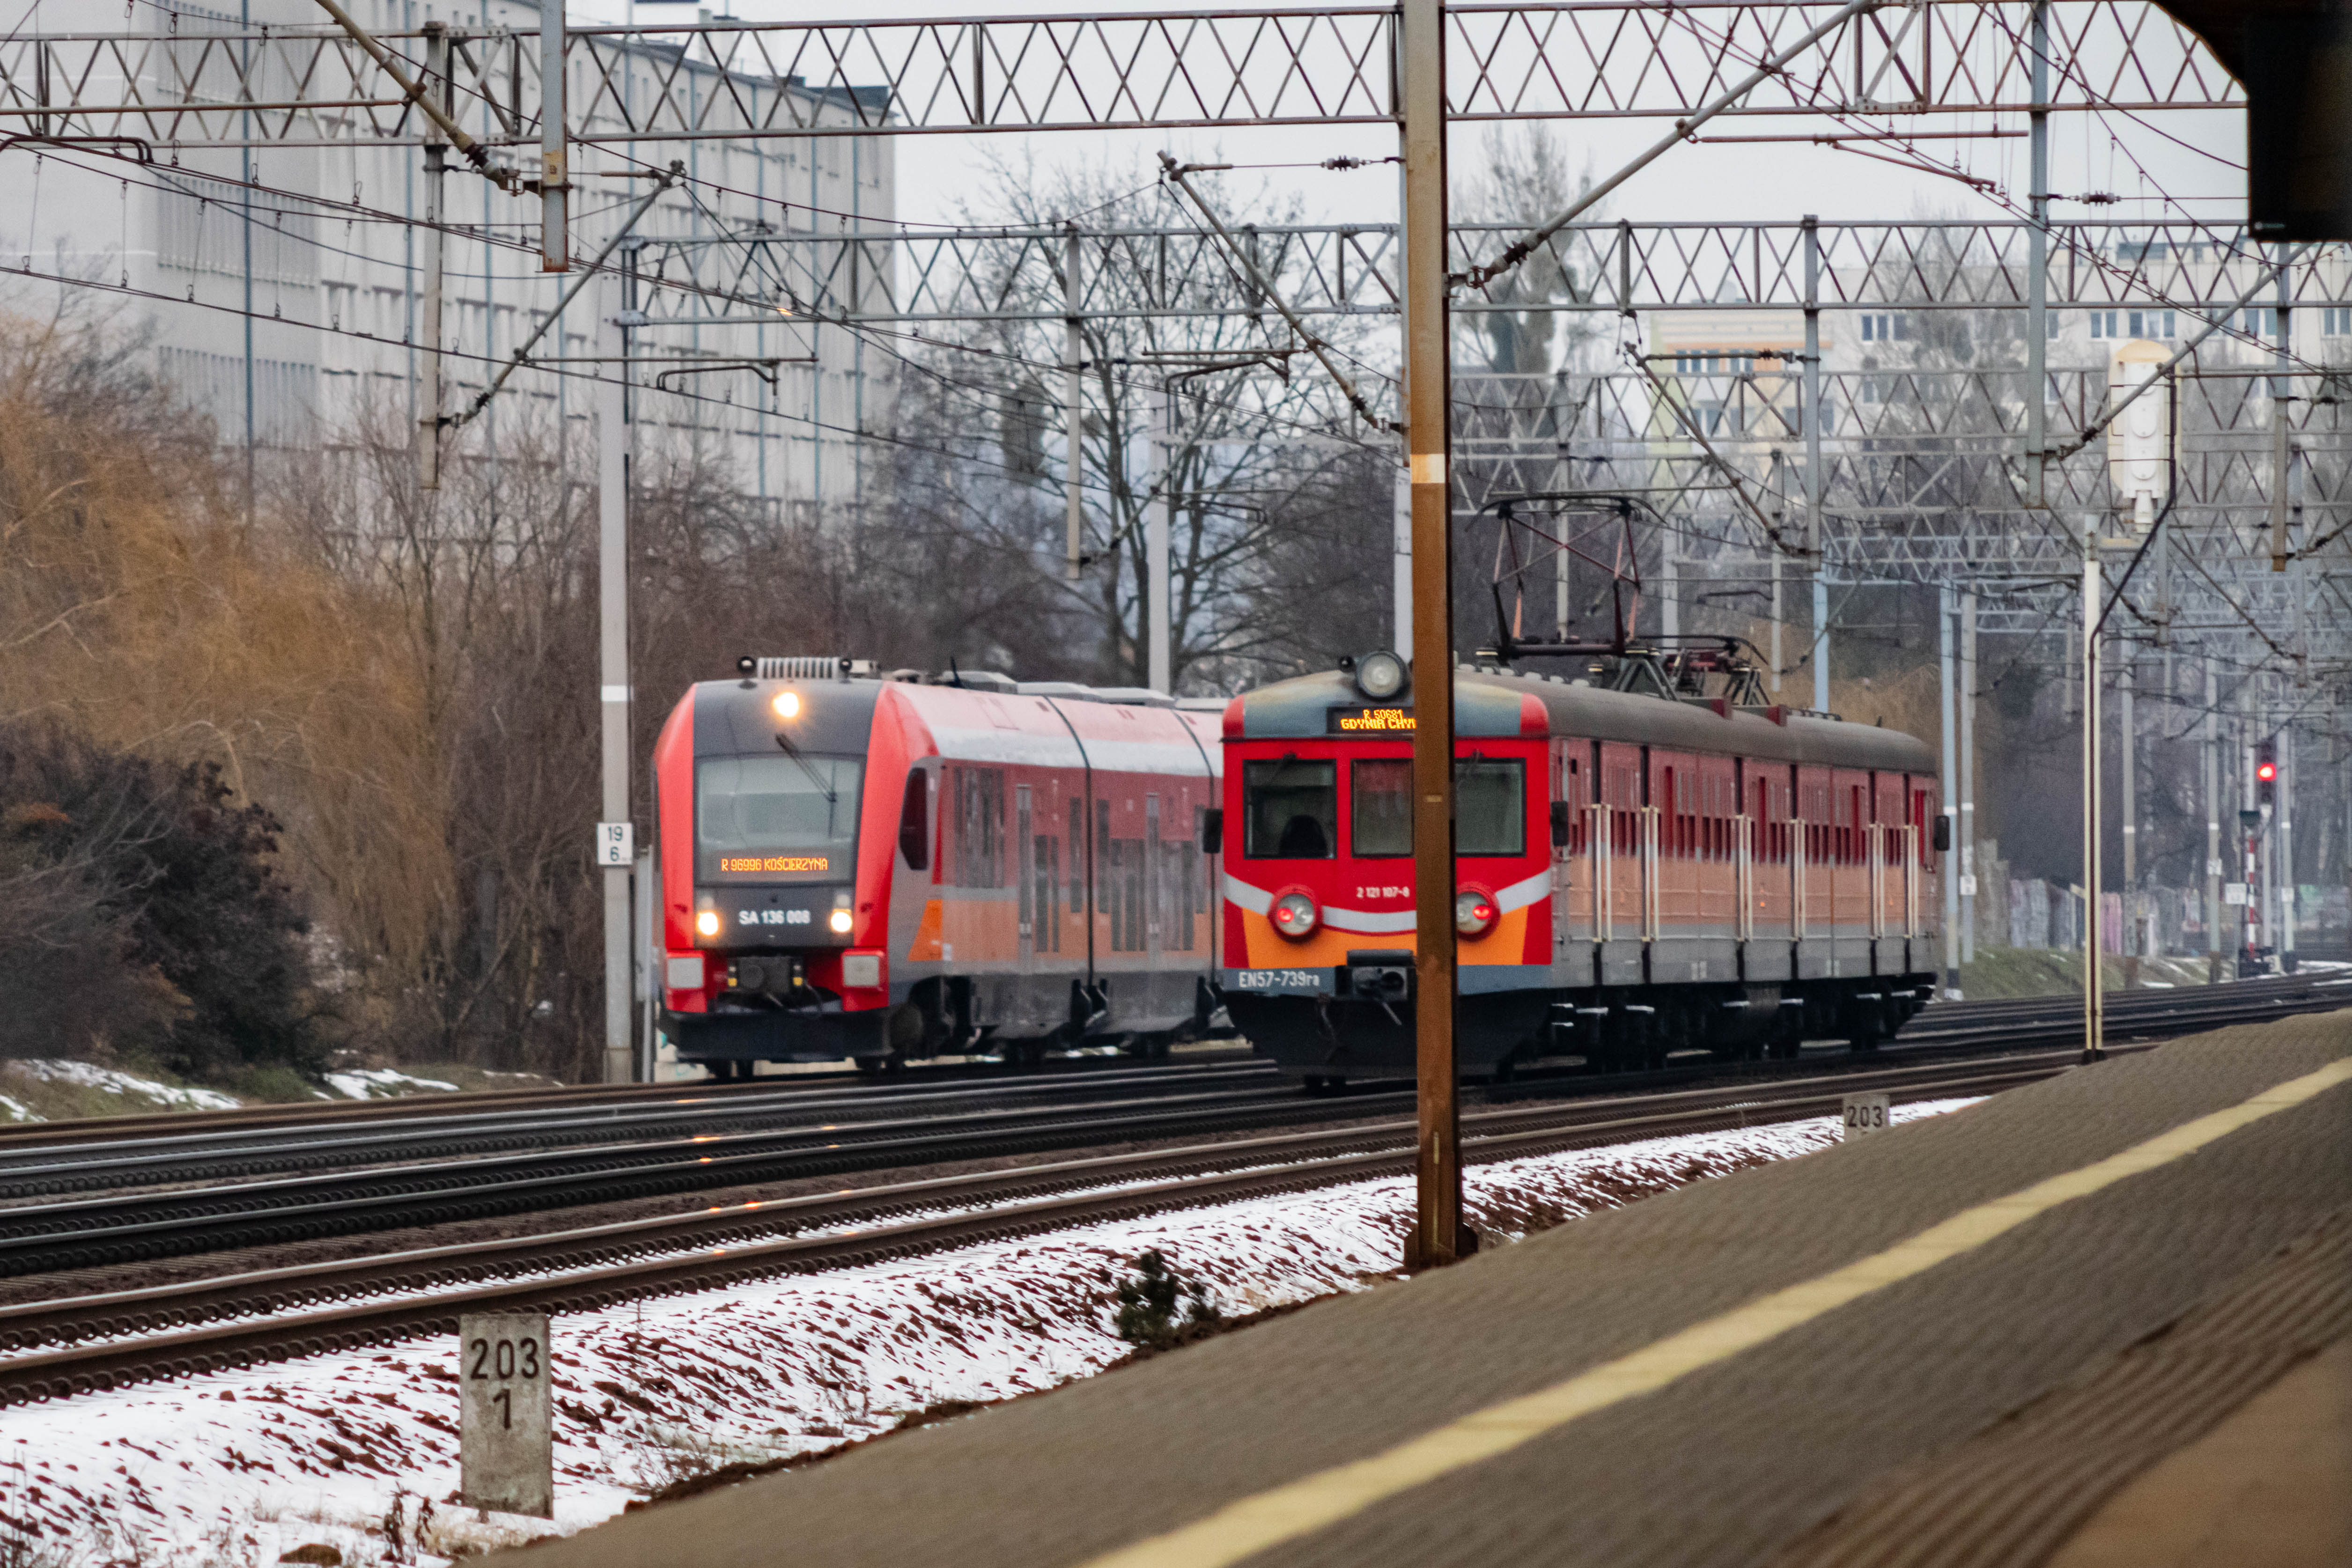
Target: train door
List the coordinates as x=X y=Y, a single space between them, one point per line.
x=1851 y=876
x=1155 y=933
x=1716 y=868
x=1922 y=909
x=1620 y=830
x=1024 y=849
x=1810 y=874
x=1573 y=884
x=1890 y=841
x=1670 y=852
x=1770 y=893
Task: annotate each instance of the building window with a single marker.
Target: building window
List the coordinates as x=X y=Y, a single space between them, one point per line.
x=2106 y=323
x=2262 y=321
x=1887 y=328
x=2153 y=324
x=2336 y=322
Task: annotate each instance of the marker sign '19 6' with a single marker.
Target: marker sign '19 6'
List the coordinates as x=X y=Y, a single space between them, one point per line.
x=505 y=1442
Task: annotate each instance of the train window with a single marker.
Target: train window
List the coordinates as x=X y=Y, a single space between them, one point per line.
x=915 y=820
x=1290 y=809
x=1077 y=880
x=784 y=813
x=1379 y=807
x=1490 y=812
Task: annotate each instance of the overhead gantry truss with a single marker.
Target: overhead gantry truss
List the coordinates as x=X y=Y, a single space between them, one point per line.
x=1621 y=268
x=1325 y=66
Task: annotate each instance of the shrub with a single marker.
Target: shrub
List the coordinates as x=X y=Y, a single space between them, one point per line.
x=139 y=913
x=1147 y=1303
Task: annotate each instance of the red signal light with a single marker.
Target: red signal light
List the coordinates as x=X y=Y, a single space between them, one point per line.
x=2266 y=771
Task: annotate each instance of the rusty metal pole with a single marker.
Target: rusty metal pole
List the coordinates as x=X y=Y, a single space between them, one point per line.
x=1438 y=1236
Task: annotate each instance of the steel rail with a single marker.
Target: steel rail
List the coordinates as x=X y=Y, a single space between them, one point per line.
x=99 y=1129
x=152 y=1161
x=70 y=1346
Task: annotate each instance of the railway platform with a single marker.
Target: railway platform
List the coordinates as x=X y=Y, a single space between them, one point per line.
x=2101 y=1319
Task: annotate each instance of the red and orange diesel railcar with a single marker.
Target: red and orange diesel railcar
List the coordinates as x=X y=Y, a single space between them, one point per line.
x=1639 y=873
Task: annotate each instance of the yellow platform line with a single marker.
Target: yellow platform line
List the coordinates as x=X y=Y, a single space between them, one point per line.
x=1255 y=1523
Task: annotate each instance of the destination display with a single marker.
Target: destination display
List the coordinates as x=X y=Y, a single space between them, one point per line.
x=775 y=863
x=1370 y=720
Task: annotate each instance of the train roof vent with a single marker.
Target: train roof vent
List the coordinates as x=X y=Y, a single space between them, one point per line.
x=1069 y=691
x=816 y=667
x=1140 y=696
x=1204 y=704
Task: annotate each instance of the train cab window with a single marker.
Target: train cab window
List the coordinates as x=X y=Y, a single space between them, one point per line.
x=1490 y=810
x=1379 y=807
x=764 y=815
x=915 y=820
x=1291 y=809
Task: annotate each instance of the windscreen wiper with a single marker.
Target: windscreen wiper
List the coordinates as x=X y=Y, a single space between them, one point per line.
x=831 y=799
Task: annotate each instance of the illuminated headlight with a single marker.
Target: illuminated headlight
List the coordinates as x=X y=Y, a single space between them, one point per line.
x=1381 y=676
x=1475 y=914
x=707 y=922
x=840 y=922
x=1295 y=915
x=787 y=704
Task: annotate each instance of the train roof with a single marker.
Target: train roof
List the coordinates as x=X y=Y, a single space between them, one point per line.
x=1497 y=703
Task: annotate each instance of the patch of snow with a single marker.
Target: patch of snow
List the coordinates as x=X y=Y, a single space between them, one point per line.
x=382 y=1083
x=19 y=1111
x=57 y=1069
x=243 y=1465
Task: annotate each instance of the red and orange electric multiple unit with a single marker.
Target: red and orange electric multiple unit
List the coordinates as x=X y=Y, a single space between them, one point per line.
x=888 y=869
x=1637 y=874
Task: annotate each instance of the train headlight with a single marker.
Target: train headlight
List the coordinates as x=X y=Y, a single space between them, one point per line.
x=1295 y=915
x=1475 y=913
x=707 y=922
x=787 y=704
x=840 y=922
x=1381 y=676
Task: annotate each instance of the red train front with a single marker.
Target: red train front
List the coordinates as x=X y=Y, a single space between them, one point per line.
x=884 y=870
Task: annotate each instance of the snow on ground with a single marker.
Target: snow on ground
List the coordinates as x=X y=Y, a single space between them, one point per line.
x=241 y=1466
x=55 y=1069
x=382 y=1082
x=17 y=1111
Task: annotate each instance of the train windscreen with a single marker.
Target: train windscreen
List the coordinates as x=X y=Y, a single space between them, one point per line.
x=777 y=816
x=1291 y=809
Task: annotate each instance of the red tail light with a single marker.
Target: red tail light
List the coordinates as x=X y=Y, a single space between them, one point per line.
x=1475 y=913
x=1295 y=915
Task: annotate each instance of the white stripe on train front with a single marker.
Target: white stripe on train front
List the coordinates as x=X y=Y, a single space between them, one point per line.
x=1257 y=900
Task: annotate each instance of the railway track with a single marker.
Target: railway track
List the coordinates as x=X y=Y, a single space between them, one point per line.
x=206 y=1154
x=50 y=1349
x=556 y=1158
x=54 y=1348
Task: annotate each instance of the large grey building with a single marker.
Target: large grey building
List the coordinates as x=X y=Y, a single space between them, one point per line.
x=280 y=288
